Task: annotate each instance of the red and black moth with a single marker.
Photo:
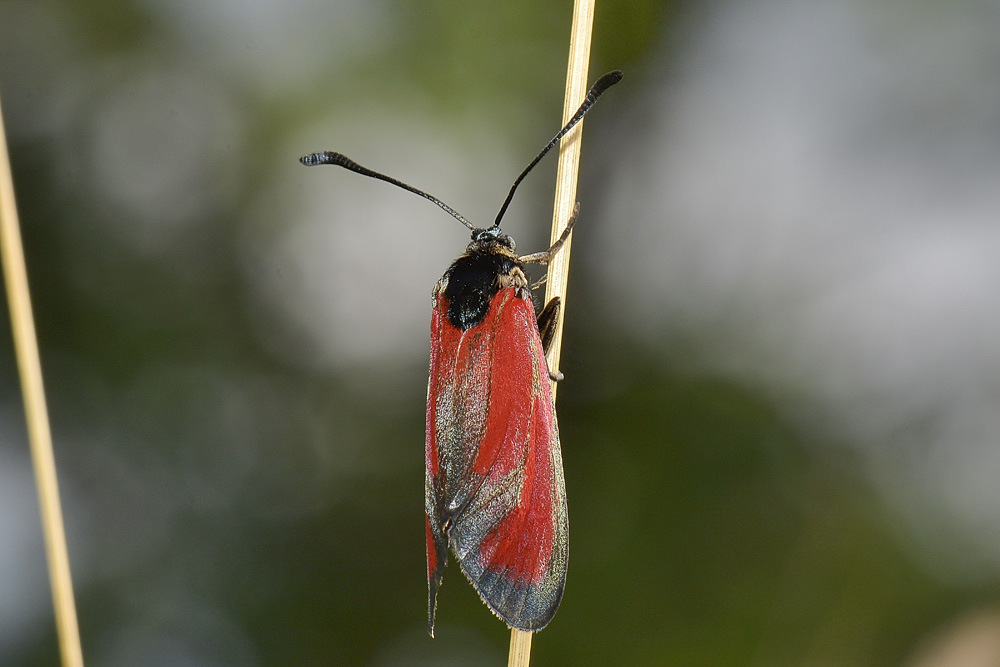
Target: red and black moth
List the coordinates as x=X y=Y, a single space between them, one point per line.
x=494 y=489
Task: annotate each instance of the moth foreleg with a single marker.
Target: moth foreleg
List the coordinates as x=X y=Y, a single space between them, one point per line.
x=544 y=256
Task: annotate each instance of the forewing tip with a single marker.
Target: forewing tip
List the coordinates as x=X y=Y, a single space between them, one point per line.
x=526 y=607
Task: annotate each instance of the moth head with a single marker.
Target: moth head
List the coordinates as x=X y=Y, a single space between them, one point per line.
x=491 y=236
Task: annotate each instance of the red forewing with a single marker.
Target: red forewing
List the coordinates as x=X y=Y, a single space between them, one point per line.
x=494 y=488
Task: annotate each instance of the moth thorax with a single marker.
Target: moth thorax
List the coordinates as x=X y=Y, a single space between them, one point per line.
x=513 y=278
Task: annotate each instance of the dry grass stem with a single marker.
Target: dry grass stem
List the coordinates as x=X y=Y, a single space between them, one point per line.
x=39 y=435
x=565 y=199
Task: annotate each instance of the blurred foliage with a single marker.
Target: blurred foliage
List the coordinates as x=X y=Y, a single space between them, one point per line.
x=215 y=522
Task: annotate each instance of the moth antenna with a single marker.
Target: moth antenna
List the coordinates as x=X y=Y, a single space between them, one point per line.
x=340 y=160
x=598 y=89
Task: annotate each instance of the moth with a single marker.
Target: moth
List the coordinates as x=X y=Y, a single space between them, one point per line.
x=494 y=491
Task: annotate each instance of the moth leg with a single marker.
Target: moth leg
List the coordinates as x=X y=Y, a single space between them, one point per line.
x=547 y=329
x=541 y=281
x=544 y=256
x=550 y=313
x=547 y=322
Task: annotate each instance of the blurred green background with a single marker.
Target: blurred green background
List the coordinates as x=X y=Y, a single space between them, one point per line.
x=779 y=417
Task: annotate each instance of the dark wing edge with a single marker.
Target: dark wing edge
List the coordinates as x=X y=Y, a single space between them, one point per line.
x=437 y=558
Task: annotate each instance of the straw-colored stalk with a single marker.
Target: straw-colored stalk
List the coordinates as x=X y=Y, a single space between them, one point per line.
x=565 y=199
x=39 y=435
